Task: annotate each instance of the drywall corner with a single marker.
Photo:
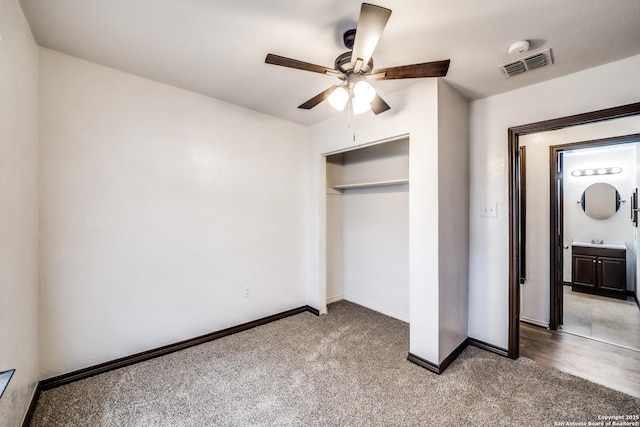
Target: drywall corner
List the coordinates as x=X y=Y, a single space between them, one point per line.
x=453 y=218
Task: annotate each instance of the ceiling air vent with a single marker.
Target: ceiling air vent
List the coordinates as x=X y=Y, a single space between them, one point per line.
x=531 y=62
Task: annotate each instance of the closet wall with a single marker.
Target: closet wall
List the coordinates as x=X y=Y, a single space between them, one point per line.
x=368 y=227
x=435 y=118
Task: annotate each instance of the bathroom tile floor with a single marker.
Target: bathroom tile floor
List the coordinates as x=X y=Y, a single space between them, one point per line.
x=605 y=319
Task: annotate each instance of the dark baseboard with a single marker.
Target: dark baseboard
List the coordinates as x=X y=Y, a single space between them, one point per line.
x=454 y=355
x=32 y=405
x=489 y=347
x=438 y=368
x=312 y=310
x=566 y=283
x=424 y=363
x=81 y=374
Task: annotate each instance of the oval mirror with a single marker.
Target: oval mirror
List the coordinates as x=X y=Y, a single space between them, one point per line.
x=600 y=200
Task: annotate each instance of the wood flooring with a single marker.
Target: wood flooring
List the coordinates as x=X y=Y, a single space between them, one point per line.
x=607 y=364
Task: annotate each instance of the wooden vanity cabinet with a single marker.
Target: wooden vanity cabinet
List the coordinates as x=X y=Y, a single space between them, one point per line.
x=599 y=271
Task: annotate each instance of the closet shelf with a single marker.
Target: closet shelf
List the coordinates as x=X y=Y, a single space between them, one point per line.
x=370 y=184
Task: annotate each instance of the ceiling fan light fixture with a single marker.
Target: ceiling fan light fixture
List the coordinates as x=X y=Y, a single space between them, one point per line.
x=339 y=98
x=357 y=64
x=364 y=91
x=360 y=105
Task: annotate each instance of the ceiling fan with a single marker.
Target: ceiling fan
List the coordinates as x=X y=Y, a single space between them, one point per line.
x=355 y=67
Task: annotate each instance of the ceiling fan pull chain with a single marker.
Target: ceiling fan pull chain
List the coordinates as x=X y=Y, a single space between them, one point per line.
x=353 y=128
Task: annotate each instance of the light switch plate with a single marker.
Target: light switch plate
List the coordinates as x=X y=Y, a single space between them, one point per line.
x=490 y=210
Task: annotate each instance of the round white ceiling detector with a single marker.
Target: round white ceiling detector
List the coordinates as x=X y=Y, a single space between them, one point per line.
x=519 y=48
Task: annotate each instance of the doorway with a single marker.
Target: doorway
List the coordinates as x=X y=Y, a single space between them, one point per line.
x=596 y=290
x=515 y=231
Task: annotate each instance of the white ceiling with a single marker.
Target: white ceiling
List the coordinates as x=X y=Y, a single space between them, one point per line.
x=218 y=47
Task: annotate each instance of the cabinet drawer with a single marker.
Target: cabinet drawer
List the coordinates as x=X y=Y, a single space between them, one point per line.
x=606 y=252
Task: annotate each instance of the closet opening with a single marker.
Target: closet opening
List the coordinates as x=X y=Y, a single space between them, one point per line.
x=367 y=228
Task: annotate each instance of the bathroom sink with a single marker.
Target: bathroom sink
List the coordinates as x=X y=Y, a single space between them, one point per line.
x=609 y=245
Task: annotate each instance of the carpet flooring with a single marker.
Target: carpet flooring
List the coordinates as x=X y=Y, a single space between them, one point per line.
x=347 y=368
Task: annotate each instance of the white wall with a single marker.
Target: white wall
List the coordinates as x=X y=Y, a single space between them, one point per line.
x=610 y=85
x=18 y=212
x=376 y=249
x=453 y=207
x=534 y=293
x=159 y=206
x=335 y=247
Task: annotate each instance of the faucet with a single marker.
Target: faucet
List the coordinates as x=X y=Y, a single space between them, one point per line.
x=597 y=242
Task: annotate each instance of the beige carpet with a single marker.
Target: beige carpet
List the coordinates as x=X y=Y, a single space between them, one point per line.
x=347 y=368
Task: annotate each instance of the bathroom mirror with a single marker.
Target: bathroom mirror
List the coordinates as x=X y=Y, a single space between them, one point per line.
x=600 y=200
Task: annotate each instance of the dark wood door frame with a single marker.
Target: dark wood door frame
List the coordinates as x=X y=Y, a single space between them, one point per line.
x=513 y=135
x=556 y=256
x=522 y=237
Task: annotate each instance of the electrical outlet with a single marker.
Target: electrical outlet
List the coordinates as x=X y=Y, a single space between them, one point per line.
x=247 y=291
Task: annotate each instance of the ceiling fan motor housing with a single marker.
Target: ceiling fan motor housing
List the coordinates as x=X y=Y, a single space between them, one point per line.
x=349 y=37
x=344 y=65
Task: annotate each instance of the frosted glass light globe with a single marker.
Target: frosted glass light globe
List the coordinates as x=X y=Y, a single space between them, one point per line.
x=339 y=98
x=360 y=105
x=364 y=91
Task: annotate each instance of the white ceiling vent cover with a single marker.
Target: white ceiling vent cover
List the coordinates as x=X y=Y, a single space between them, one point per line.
x=528 y=63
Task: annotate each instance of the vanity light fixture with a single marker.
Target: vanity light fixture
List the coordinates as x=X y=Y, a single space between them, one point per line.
x=596 y=171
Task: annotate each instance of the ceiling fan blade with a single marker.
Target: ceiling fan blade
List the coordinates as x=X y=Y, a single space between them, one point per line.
x=426 y=69
x=371 y=23
x=378 y=105
x=300 y=65
x=317 y=99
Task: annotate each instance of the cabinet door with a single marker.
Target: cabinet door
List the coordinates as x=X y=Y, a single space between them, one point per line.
x=613 y=273
x=584 y=270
